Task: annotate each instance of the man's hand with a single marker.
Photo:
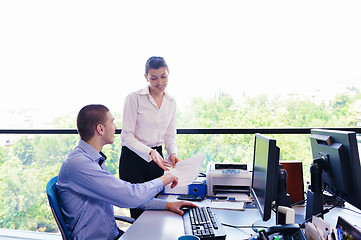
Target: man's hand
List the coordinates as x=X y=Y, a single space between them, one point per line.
x=174 y=159
x=176 y=206
x=169 y=178
x=157 y=158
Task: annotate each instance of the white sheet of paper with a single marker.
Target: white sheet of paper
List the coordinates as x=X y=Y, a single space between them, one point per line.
x=188 y=169
x=228 y=205
x=311 y=231
x=323 y=226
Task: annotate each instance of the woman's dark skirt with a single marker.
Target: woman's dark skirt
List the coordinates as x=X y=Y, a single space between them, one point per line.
x=134 y=169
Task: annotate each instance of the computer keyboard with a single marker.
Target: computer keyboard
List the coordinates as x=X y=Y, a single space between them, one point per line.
x=203 y=223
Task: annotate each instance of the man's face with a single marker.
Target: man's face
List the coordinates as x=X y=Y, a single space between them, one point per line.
x=109 y=129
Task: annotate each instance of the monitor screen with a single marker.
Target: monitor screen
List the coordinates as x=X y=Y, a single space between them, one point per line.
x=265 y=174
x=341 y=175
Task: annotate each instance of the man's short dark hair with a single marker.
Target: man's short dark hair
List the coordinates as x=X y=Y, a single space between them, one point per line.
x=155 y=63
x=88 y=119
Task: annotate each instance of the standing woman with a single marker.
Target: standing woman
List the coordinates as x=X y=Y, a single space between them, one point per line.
x=149 y=121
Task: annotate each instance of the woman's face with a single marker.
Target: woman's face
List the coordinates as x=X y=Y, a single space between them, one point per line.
x=158 y=80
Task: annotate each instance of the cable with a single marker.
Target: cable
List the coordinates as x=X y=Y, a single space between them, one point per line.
x=352 y=210
x=233 y=226
x=253 y=227
x=296 y=203
x=323 y=212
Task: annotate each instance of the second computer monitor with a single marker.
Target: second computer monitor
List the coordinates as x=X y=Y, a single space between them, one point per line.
x=337 y=154
x=265 y=174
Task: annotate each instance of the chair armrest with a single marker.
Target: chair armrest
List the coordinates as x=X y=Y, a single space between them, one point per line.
x=124 y=218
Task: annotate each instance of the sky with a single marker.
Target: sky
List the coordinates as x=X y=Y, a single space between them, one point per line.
x=57 y=56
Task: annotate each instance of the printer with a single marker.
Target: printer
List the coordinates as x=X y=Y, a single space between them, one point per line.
x=228 y=178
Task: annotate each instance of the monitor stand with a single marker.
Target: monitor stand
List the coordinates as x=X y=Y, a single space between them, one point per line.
x=315 y=200
x=314 y=204
x=283 y=198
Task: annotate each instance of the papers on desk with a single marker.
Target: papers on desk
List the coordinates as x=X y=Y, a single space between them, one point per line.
x=230 y=205
x=240 y=197
x=319 y=229
x=238 y=202
x=187 y=170
x=216 y=204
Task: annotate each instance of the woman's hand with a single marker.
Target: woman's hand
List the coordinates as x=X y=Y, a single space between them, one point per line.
x=157 y=158
x=176 y=206
x=174 y=159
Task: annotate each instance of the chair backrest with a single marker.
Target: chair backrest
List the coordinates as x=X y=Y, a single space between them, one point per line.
x=52 y=193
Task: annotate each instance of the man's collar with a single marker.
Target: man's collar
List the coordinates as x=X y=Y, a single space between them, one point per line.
x=103 y=156
x=92 y=153
x=102 y=159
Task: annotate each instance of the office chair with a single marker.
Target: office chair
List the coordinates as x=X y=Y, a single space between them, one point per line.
x=52 y=193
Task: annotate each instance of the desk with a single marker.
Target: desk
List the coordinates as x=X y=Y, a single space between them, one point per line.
x=165 y=225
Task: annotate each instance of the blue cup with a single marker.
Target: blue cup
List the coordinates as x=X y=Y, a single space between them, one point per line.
x=188 y=237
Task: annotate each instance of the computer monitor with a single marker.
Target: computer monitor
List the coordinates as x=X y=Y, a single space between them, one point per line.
x=265 y=174
x=336 y=154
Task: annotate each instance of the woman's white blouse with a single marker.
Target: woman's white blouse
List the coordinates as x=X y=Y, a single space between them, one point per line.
x=146 y=126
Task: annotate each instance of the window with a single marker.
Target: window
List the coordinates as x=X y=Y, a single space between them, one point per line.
x=233 y=64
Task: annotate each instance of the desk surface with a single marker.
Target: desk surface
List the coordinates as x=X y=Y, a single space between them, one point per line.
x=165 y=225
